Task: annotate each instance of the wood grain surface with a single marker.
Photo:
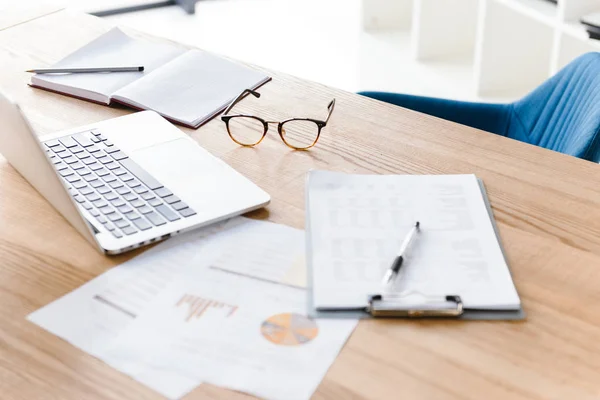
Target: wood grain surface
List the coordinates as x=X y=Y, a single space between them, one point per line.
x=547 y=206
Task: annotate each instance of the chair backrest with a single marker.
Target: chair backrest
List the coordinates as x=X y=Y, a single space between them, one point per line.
x=563 y=114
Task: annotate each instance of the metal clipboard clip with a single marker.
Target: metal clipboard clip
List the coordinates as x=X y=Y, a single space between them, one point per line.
x=396 y=305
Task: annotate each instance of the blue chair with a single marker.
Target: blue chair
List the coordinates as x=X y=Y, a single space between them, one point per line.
x=563 y=114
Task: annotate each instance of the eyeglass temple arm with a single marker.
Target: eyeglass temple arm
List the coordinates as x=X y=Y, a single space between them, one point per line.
x=330 y=107
x=240 y=97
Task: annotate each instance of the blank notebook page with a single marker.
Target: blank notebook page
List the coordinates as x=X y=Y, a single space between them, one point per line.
x=357 y=223
x=113 y=49
x=192 y=85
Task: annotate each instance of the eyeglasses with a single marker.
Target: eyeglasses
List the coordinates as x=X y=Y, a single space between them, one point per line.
x=249 y=130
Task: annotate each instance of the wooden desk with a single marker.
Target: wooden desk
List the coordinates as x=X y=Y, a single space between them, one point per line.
x=547 y=206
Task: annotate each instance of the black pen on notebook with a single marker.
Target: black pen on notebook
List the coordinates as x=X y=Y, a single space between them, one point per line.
x=85 y=70
x=394 y=269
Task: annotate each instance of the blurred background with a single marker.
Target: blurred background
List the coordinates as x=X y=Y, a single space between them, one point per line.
x=490 y=50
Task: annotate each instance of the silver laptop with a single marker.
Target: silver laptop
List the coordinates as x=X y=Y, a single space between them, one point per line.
x=128 y=181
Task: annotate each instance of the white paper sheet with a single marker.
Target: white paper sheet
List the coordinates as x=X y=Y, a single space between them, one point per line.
x=228 y=329
x=191 y=88
x=357 y=223
x=239 y=263
x=91 y=316
x=113 y=49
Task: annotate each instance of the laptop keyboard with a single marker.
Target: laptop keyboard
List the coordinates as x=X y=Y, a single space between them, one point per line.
x=111 y=187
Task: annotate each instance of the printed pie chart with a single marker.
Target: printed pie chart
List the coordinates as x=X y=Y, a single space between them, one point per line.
x=289 y=329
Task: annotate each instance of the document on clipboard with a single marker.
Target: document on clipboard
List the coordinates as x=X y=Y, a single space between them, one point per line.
x=456 y=268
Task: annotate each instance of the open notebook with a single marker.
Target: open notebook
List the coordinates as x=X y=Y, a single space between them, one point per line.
x=355 y=224
x=186 y=86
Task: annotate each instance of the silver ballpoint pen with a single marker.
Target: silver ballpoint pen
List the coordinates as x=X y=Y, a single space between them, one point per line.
x=85 y=70
x=394 y=269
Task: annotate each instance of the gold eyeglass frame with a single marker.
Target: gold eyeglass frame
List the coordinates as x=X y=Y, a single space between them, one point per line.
x=319 y=123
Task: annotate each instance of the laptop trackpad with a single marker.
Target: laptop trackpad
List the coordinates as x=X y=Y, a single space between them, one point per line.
x=191 y=173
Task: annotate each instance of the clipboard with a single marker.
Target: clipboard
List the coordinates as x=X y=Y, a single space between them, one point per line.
x=382 y=305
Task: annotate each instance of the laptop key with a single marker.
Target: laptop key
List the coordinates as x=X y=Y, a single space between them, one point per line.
x=80 y=185
x=121 y=223
x=77 y=165
x=99 y=154
x=84 y=171
x=96 y=184
x=141 y=174
x=187 y=212
x=117 y=202
x=155 y=202
x=105 y=160
x=95 y=166
x=133 y=183
x=101 y=137
x=58 y=162
x=123 y=190
x=70 y=160
x=87 y=205
x=110 y=196
x=58 y=149
x=117 y=234
x=72 y=178
x=76 y=149
x=103 y=189
x=163 y=192
x=130 y=196
x=130 y=230
x=82 y=156
x=52 y=143
x=114 y=217
x=167 y=213
x=83 y=139
x=132 y=215
x=108 y=143
x=95 y=139
x=125 y=208
x=86 y=190
x=147 y=195
x=88 y=161
x=145 y=209
x=115 y=184
x=137 y=203
x=111 y=149
x=102 y=172
x=67 y=142
x=109 y=226
x=180 y=205
x=90 y=178
x=95 y=213
x=92 y=196
x=60 y=166
x=140 y=190
x=112 y=165
x=99 y=202
x=127 y=177
x=79 y=198
x=156 y=219
x=93 y=148
x=66 y=172
x=171 y=199
x=107 y=210
x=101 y=219
x=118 y=155
x=142 y=224
x=120 y=171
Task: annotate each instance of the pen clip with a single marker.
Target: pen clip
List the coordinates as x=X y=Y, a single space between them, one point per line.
x=393 y=306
